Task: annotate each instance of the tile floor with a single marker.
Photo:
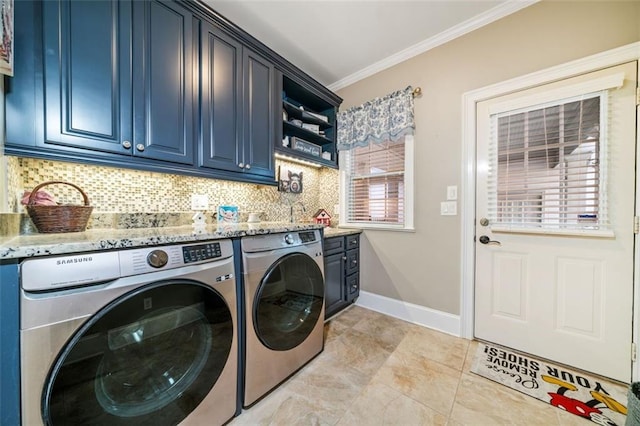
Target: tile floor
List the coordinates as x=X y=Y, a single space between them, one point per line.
x=378 y=370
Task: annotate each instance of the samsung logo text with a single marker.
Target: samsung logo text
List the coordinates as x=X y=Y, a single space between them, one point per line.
x=74 y=260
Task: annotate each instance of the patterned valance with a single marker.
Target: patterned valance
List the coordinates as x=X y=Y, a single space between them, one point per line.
x=376 y=121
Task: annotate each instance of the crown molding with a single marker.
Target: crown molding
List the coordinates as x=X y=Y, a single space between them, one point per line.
x=498 y=12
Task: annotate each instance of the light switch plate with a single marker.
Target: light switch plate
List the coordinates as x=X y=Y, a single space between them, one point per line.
x=452 y=192
x=448 y=208
x=199 y=202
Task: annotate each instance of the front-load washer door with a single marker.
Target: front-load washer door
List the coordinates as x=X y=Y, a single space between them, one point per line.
x=148 y=358
x=288 y=302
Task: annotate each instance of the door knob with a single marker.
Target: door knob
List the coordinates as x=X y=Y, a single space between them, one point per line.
x=486 y=240
x=126 y=144
x=140 y=147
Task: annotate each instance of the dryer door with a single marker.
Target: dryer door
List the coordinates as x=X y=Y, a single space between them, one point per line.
x=288 y=302
x=149 y=357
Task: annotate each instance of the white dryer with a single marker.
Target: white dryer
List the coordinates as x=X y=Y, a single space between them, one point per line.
x=284 y=307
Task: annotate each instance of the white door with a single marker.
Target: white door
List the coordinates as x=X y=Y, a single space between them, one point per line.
x=555 y=182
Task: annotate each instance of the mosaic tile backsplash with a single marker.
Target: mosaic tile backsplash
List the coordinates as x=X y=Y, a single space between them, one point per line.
x=155 y=199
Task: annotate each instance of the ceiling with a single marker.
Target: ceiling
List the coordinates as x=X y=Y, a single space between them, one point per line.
x=340 y=42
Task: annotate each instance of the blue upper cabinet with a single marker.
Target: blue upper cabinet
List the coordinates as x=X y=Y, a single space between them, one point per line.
x=221 y=97
x=237 y=95
x=259 y=117
x=159 y=85
x=87 y=78
x=163 y=73
x=119 y=78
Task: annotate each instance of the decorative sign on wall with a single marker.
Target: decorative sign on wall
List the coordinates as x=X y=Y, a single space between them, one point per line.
x=289 y=181
x=6 y=32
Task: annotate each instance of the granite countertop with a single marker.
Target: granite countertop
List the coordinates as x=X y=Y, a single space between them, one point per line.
x=109 y=239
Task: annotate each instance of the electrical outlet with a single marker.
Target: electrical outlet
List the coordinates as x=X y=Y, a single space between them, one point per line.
x=336 y=209
x=452 y=192
x=199 y=202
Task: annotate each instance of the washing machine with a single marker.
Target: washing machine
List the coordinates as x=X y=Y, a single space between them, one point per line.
x=133 y=337
x=284 y=307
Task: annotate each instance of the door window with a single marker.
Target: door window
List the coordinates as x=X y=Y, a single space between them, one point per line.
x=289 y=302
x=547 y=170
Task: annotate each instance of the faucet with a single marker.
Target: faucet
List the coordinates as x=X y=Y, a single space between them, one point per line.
x=299 y=203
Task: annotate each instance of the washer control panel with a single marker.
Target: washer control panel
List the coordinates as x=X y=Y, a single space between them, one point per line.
x=307 y=236
x=201 y=252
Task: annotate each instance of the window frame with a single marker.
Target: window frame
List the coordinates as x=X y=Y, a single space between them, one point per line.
x=409 y=195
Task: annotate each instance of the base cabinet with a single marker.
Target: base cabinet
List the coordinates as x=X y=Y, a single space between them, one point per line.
x=342 y=272
x=9 y=343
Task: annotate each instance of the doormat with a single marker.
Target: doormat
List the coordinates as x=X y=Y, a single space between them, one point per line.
x=594 y=399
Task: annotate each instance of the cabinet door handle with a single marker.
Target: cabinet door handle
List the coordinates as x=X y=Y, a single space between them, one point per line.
x=140 y=147
x=241 y=165
x=248 y=166
x=353 y=242
x=344 y=257
x=354 y=262
x=126 y=144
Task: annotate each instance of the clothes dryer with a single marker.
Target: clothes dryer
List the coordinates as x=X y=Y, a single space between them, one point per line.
x=132 y=337
x=284 y=307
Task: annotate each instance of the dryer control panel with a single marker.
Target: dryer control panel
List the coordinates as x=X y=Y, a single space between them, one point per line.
x=201 y=252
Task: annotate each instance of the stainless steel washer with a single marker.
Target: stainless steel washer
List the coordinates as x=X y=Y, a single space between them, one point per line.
x=133 y=337
x=284 y=307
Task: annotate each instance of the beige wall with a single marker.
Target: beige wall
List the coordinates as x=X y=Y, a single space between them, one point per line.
x=423 y=268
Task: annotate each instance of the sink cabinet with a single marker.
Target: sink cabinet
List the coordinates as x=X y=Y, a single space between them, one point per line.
x=342 y=272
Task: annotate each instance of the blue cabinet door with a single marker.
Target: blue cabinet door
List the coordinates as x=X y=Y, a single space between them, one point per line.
x=163 y=94
x=260 y=107
x=221 y=97
x=9 y=344
x=118 y=78
x=87 y=74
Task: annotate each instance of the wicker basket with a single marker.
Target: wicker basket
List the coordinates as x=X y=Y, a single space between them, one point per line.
x=68 y=218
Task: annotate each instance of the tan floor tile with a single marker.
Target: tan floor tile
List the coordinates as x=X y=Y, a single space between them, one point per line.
x=333 y=329
x=380 y=405
x=386 y=330
x=480 y=401
x=471 y=353
x=429 y=382
x=441 y=347
x=367 y=375
x=354 y=314
x=262 y=412
x=358 y=350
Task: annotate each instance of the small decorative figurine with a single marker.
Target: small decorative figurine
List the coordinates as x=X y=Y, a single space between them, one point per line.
x=322 y=217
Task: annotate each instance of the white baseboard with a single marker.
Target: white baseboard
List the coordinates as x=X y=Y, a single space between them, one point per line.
x=416 y=314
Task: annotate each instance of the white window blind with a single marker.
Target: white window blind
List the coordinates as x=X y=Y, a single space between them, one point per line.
x=547 y=166
x=375 y=179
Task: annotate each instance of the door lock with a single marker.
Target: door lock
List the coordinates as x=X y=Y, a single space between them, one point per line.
x=484 y=221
